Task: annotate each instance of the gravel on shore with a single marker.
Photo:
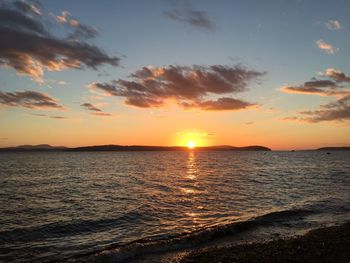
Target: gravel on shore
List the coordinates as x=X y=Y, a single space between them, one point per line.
x=331 y=244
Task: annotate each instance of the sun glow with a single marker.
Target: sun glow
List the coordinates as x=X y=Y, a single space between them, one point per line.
x=192 y=139
x=191 y=144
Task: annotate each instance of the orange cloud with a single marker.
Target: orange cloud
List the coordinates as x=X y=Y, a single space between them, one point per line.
x=326 y=47
x=337 y=75
x=189 y=86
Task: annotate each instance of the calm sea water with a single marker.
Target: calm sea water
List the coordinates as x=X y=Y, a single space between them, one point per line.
x=55 y=205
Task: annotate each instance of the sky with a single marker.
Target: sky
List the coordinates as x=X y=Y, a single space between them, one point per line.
x=167 y=72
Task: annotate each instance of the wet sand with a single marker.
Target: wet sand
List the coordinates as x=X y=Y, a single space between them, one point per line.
x=331 y=244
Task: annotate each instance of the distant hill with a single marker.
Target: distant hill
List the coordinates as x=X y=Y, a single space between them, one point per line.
x=334 y=149
x=126 y=148
x=46 y=147
x=33 y=148
x=167 y=148
x=233 y=148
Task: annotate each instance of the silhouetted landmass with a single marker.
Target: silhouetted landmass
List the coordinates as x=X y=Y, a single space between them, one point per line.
x=233 y=148
x=34 y=148
x=126 y=148
x=46 y=147
x=334 y=149
x=166 y=148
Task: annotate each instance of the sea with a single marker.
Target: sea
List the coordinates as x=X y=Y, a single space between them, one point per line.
x=115 y=206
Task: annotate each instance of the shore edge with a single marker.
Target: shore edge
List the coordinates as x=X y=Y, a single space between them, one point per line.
x=330 y=244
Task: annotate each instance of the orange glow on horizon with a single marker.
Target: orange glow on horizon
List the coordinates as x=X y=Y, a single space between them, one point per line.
x=192 y=139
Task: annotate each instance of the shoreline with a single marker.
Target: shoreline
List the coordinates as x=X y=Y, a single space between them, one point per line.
x=325 y=244
x=278 y=234
x=329 y=244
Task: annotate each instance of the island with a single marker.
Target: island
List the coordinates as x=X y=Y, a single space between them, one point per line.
x=111 y=147
x=334 y=149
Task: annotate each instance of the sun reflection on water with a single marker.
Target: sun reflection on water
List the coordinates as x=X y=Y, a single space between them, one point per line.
x=193 y=190
x=192 y=171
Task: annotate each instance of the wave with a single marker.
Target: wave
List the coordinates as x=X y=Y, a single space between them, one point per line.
x=185 y=241
x=72 y=228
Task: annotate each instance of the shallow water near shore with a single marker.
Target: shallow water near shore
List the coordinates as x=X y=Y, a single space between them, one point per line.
x=61 y=205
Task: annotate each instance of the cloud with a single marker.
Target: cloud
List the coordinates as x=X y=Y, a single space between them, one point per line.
x=63 y=18
x=80 y=31
x=50 y=82
x=328 y=48
x=317 y=87
x=57 y=117
x=94 y=109
x=333 y=25
x=328 y=87
x=194 y=18
x=337 y=75
x=90 y=107
x=28 y=47
x=189 y=86
x=101 y=114
x=338 y=110
x=29 y=99
x=334 y=111
x=220 y=104
x=315 y=91
x=33 y=7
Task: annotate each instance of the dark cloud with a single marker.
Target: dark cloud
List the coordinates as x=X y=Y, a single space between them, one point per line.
x=109 y=89
x=57 y=117
x=29 y=99
x=334 y=111
x=94 y=109
x=20 y=20
x=90 y=107
x=317 y=87
x=50 y=116
x=315 y=91
x=101 y=114
x=28 y=47
x=197 y=19
x=187 y=85
x=326 y=87
x=84 y=32
x=338 y=110
x=220 y=104
x=319 y=83
x=337 y=75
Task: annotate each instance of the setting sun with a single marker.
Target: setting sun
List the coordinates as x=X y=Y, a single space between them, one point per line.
x=192 y=139
x=191 y=144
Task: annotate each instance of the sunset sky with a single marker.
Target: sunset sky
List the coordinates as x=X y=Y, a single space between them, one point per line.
x=165 y=72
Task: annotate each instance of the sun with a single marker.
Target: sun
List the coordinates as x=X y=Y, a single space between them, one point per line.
x=191 y=144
